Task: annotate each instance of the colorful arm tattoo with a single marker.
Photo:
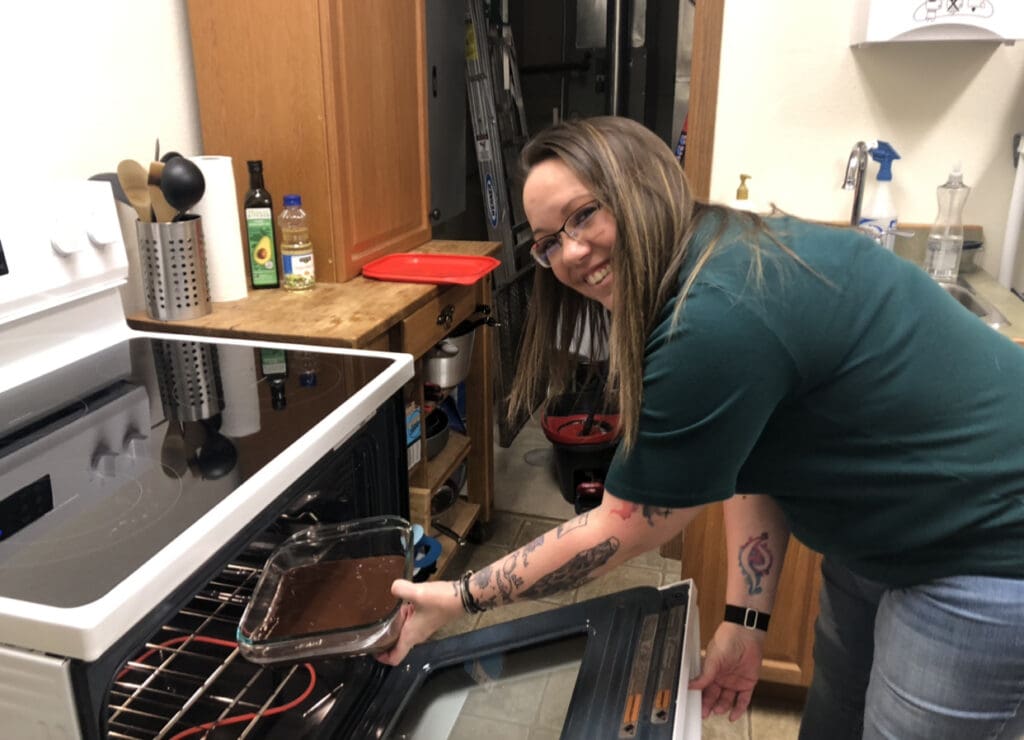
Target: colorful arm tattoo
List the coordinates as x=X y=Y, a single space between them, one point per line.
x=756 y=560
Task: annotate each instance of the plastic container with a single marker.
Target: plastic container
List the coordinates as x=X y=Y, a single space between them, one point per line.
x=970 y=256
x=299 y=272
x=584 y=435
x=879 y=219
x=946 y=236
x=326 y=591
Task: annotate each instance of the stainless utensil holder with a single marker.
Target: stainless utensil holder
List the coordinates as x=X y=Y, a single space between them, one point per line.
x=173 y=258
x=188 y=374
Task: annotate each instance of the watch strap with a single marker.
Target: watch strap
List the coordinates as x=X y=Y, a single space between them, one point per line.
x=752 y=619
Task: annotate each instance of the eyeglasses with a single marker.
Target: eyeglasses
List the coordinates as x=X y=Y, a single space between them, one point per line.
x=581 y=224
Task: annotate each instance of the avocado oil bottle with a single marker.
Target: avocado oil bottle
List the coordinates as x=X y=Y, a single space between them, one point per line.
x=259 y=230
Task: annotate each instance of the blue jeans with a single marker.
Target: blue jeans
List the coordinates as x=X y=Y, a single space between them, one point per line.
x=941 y=660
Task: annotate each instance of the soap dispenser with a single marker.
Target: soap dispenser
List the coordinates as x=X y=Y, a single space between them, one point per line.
x=946 y=237
x=742 y=201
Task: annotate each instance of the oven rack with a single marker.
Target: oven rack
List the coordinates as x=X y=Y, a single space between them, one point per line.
x=191 y=675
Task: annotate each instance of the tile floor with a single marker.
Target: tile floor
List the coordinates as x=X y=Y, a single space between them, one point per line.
x=528 y=502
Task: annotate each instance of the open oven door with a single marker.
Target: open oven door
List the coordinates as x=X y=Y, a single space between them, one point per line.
x=612 y=667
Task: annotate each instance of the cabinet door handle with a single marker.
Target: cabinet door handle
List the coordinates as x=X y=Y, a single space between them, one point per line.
x=446 y=317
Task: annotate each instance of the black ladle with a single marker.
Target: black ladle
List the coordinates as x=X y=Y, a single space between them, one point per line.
x=217 y=455
x=182 y=184
x=214 y=455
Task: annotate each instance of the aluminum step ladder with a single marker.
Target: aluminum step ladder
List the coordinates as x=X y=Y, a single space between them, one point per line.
x=499 y=132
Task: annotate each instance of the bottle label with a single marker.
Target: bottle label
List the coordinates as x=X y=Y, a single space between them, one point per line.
x=299 y=271
x=273 y=361
x=259 y=226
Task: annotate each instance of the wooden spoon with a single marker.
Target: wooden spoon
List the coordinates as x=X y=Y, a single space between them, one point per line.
x=173 y=453
x=133 y=179
x=164 y=211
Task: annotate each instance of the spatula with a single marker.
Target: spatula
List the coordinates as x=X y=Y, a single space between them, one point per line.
x=164 y=211
x=132 y=177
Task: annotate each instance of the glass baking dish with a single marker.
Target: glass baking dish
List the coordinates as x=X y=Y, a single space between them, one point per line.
x=326 y=591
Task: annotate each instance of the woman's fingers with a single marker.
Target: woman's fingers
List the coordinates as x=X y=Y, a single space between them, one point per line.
x=742 y=702
x=725 y=702
x=709 y=699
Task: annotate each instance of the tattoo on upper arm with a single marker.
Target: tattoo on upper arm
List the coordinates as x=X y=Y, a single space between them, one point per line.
x=653 y=511
x=575 y=572
x=756 y=560
x=576 y=523
x=626 y=510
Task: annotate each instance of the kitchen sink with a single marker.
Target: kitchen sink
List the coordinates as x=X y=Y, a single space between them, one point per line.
x=974 y=303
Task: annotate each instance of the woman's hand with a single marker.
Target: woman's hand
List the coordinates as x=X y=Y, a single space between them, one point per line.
x=730 y=671
x=428 y=607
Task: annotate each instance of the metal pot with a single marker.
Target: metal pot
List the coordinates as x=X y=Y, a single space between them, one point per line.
x=446 y=364
x=437 y=432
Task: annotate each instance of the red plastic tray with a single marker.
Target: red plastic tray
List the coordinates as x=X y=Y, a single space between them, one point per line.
x=440 y=269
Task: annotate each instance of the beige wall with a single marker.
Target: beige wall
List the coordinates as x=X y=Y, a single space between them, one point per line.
x=794 y=98
x=87 y=84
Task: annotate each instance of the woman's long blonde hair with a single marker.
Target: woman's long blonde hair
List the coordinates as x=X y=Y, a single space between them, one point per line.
x=635 y=176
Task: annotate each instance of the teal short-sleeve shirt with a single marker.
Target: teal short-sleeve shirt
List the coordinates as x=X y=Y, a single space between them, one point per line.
x=885 y=419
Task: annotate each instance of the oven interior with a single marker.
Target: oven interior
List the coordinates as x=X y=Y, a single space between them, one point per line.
x=186 y=678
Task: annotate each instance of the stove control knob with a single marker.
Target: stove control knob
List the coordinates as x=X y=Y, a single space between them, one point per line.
x=66 y=240
x=103 y=461
x=100 y=229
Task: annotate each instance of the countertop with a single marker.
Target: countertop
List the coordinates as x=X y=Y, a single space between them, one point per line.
x=349 y=314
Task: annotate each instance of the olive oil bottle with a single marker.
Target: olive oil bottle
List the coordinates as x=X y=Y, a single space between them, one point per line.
x=259 y=229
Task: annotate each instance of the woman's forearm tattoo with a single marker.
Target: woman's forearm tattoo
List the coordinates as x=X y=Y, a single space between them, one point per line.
x=575 y=573
x=530 y=547
x=756 y=560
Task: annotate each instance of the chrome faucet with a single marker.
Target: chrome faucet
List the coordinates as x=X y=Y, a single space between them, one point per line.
x=854 y=179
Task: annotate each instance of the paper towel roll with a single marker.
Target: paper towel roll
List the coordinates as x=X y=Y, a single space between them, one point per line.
x=1014 y=217
x=241 y=415
x=225 y=260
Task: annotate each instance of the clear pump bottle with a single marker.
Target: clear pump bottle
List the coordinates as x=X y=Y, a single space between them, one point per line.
x=946 y=237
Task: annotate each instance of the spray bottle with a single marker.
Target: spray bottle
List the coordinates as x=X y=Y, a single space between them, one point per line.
x=879 y=220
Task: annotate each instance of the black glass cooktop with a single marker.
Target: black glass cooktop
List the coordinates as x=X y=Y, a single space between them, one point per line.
x=108 y=459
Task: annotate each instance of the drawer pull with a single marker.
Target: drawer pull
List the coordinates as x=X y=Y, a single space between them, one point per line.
x=446 y=317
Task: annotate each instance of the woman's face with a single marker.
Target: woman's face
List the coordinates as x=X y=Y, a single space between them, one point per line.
x=556 y=202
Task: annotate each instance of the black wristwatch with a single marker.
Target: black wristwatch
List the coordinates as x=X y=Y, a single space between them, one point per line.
x=752 y=619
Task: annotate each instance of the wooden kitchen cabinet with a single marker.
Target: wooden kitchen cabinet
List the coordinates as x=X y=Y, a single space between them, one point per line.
x=788 y=655
x=387 y=316
x=331 y=95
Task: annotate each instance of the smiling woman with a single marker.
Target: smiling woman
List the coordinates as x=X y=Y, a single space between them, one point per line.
x=764 y=363
x=578 y=251
x=579 y=225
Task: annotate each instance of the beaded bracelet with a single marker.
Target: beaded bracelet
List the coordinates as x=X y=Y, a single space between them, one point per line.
x=469 y=604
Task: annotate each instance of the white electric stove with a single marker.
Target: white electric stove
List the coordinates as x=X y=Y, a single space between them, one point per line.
x=118 y=490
